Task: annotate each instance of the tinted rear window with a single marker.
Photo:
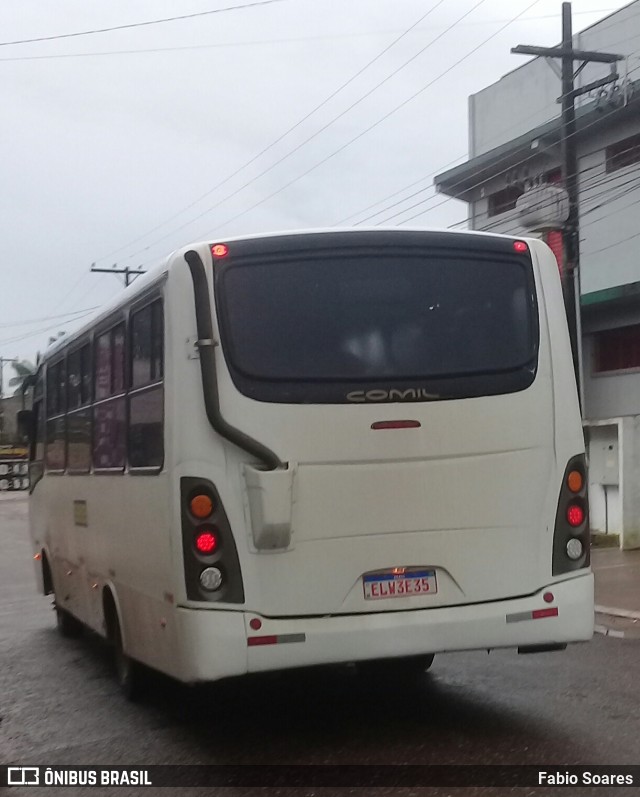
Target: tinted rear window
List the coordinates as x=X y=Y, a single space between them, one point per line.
x=375 y=319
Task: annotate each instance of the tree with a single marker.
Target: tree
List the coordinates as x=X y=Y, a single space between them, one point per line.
x=23 y=369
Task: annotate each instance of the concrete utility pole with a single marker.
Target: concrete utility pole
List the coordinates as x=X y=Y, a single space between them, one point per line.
x=129 y=273
x=3 y=362
x=571 y=229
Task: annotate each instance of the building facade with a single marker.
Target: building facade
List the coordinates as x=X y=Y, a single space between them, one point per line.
x=514 y=146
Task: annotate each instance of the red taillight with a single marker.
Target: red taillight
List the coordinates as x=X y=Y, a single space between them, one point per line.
x=520 y=247
x=548 y=597
x=255 y=641
x=206 y=542
x=538 y=614
x=255 y=624
x=575 y=515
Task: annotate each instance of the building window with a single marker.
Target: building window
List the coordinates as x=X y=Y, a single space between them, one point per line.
x=623 y=153
x=146 y=398
x=109 y=421
x=504 y=200
x=617 y=349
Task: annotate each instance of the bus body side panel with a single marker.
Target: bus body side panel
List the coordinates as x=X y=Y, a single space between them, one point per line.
x=115 y=531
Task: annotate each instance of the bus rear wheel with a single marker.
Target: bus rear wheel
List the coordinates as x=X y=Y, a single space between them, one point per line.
x=400 y=670
x=128 y=671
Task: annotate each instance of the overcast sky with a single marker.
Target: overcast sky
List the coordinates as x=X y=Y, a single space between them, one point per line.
x=113 y=155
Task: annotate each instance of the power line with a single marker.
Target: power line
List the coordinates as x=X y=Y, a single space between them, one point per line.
x=260 y=42
x=347 y=144
x=140 y=24
x=226 y=198
x=617 y=243
x=594 y=182
x=381 y=119
x=270 y=146
x=48 y=318
x=496 y=174
x=18 y=338
x=318 y=132
x=426 y=188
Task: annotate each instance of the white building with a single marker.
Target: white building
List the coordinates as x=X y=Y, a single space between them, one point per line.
x=514 y=143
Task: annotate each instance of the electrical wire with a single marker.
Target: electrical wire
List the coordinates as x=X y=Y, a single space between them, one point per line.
x=18 y=338
x=229 y=196
x=273 y=144
x=379 y=121
x=314 y=135
x=85 y=310
x=146 y=23
x=259 y=42
x=492 y=174
x=588 y=185
x=426 y=188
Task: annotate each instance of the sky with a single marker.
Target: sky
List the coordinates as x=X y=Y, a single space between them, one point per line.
x=120 y=146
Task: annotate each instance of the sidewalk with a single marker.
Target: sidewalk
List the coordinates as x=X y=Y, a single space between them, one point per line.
x=617 y=576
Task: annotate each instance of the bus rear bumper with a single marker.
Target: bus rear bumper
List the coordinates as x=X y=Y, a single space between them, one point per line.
x=299 y=642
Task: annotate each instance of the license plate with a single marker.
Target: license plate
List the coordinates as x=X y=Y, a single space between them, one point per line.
x=399 y=585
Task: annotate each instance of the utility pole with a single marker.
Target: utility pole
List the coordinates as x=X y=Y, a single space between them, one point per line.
x=4 y=361
x=129 y=273
x=571 y=229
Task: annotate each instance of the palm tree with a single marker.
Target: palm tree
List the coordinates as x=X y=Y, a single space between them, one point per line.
x=23 y=369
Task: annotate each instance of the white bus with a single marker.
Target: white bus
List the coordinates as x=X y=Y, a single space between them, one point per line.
x=336 y=446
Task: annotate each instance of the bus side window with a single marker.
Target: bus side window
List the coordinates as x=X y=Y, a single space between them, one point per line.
x=36 y=453
x=79 y=411
x=55 y=447
x=109 y=422
x=146 y=397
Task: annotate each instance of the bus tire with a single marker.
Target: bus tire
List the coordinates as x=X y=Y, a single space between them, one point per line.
x=67 y=624
x=401 y=670
x=128 y=671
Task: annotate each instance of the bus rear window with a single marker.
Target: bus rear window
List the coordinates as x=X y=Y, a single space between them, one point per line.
x=308 y=330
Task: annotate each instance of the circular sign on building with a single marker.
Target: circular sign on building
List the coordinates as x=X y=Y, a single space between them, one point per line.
x=542 y=208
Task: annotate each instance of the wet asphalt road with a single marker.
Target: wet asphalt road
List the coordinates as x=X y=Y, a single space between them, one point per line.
x=59 y=705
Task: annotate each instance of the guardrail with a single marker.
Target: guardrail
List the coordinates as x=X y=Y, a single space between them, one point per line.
x=14 y=470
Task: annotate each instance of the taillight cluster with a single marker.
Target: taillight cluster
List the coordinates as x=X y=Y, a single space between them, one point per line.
x=571 y=537
x=212 y=569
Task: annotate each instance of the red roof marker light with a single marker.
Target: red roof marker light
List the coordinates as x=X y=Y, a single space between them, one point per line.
x=520 y=247
x=219 y=250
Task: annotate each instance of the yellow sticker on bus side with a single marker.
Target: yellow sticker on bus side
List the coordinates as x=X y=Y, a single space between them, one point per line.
x=80 y=514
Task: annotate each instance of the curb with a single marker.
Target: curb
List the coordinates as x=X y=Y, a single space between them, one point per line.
x=602 y=629
x=612 y=612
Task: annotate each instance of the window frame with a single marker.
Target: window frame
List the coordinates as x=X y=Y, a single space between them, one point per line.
x=58 y=361
x=618 y=156
x=505 y=206
x=596 y=351
x=86 y=405
x=152 y=300
x=88 y=339
x=109 y=327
